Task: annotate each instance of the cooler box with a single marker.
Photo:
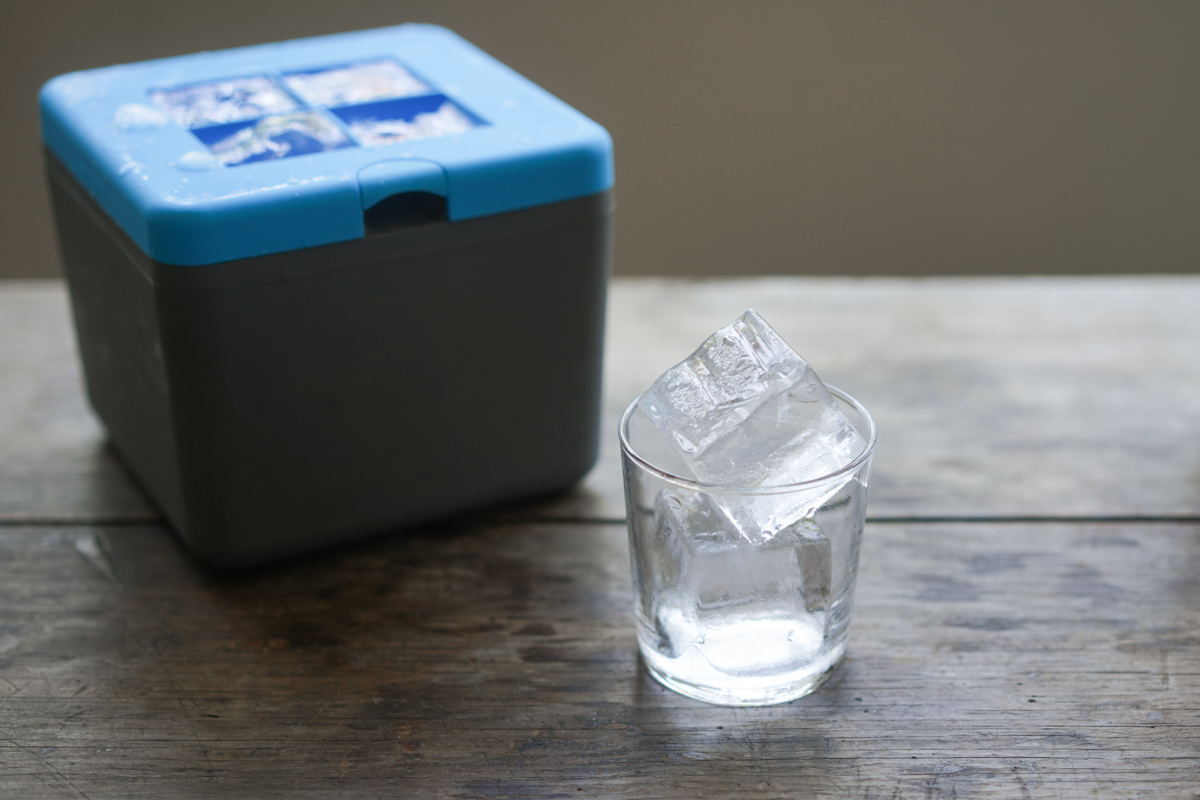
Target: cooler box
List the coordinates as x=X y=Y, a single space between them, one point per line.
x=333 y=287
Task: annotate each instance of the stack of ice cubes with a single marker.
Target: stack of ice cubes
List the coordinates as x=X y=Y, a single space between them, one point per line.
x=745 y=410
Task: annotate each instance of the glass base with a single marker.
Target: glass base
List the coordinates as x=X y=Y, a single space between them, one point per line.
x=757 y=691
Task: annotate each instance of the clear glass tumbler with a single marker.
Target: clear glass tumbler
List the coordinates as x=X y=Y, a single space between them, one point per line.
x=743 y=594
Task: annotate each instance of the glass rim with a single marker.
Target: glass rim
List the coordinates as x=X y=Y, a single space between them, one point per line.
x=785 y=488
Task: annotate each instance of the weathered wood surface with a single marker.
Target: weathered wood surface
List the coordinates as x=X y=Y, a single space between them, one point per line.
x=1010 y=398
x=53 y=462
x=986 y=660
x=494 y=656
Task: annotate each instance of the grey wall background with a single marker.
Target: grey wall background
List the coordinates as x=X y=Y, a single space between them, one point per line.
x=768 y=137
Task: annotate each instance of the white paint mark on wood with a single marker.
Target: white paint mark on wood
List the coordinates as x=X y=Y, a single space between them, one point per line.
x=92 y=546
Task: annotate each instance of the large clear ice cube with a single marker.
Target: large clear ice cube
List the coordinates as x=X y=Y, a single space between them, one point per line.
x=746 y=410
x=710 y=581
x=814 y=554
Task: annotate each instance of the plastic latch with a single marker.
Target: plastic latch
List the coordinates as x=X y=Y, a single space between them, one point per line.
x=386 y=178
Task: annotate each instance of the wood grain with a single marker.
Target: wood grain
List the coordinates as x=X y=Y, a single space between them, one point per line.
x=494 y=656
x=53 y=460
x=986 y=660
x=1020 y=398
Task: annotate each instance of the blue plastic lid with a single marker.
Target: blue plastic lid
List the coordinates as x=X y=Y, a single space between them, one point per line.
x=218 y=156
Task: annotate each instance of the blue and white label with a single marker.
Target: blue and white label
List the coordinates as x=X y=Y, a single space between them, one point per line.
x=258 y=118
x=221 y=102
x=275 y=136
x=355 y=83
x=393 y=121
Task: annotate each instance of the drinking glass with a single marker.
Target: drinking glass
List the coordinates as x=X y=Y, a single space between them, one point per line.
x=742 y=593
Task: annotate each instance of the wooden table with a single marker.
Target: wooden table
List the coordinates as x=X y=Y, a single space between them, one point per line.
x=1027 y=623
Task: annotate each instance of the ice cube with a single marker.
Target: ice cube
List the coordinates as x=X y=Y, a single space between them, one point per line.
x=684 y=523
x=815 y=557
x=759 y=518
x=698 y=533
x=746 y=410
x=708 y=577
x=689 y=527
